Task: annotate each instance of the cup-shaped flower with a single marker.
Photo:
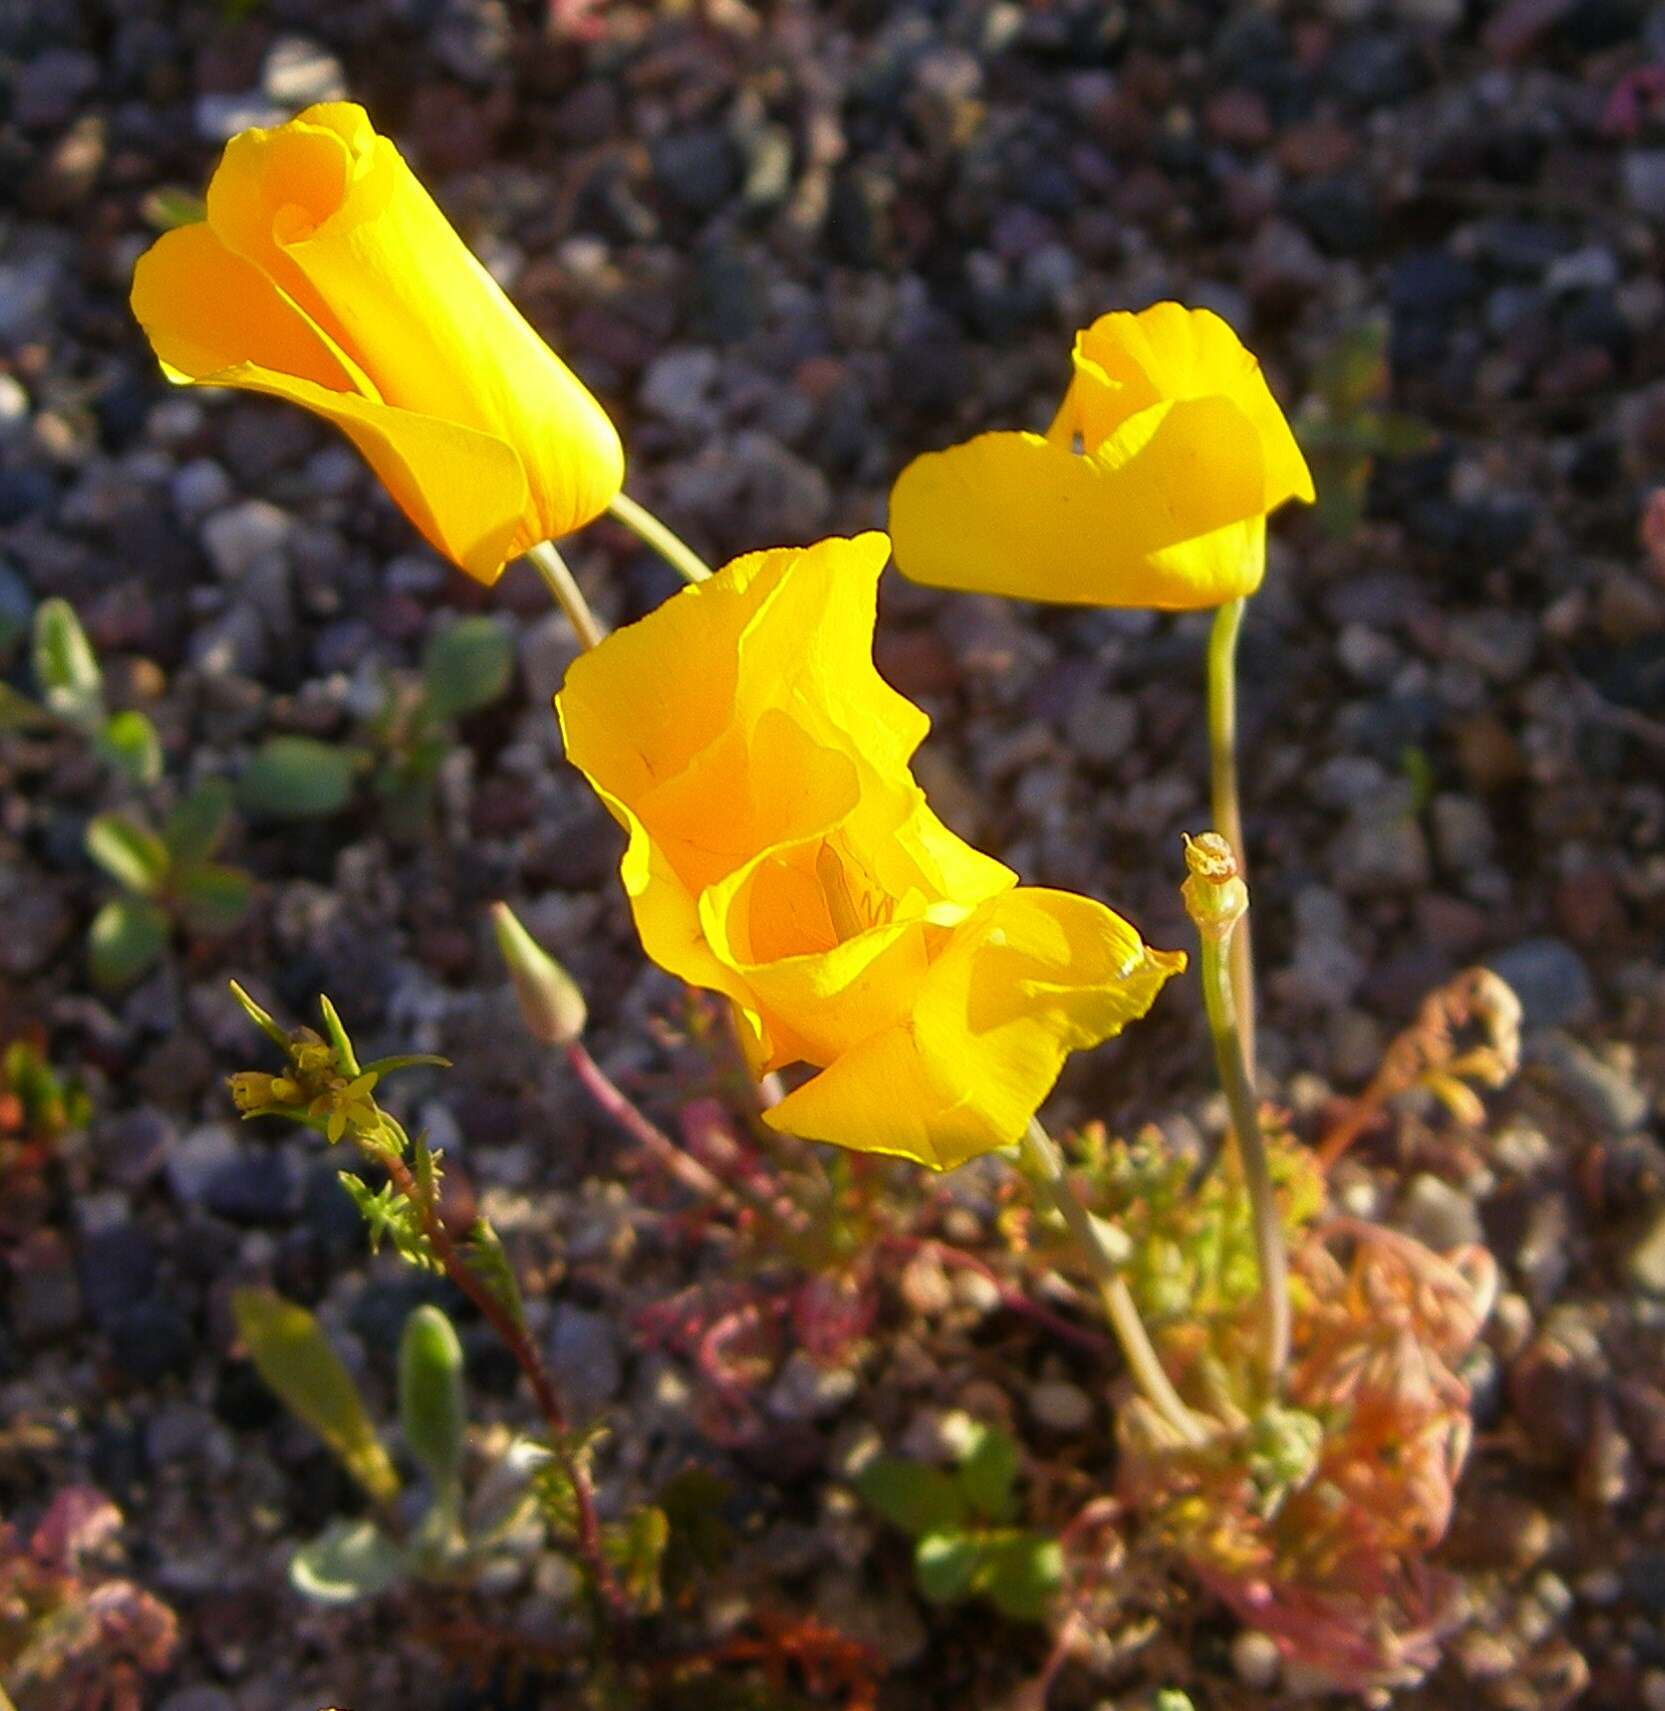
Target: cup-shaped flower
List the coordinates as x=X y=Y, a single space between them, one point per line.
x=1151 y=487
x=324 y=273
x=780 y=853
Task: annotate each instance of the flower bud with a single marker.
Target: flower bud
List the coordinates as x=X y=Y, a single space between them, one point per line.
x=252 y=1091
x=1216 y=899
x=550 y=1002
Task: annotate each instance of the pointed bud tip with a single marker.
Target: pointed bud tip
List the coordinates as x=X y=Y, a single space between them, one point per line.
x=550 y=1003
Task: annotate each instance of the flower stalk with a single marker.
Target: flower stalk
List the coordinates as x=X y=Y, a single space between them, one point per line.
x=565 y=592
x=652 y=533
x=1218 y=902
x=1223 y=795
x=1044 y=1165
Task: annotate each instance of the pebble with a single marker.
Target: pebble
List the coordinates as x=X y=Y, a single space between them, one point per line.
x=1060 y=1406
x=1645 y=1258
x=298 y=72
x=679 y=385
x=199 y=488
x=805 y=1390
x=220 y=117
x=238 y=536
x=1438 y=1215
x=45 y=1297
x=1463 y=835
x=1255 y=1660
x=586 y=1357
x=1609 y=1100
x=1549 y=978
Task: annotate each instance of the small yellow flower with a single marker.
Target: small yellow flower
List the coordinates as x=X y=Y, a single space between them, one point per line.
x=348 y=1105
x=325 y=274
x=781 y=853
x=1151 y=487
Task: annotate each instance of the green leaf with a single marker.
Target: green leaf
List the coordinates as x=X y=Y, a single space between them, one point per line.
x=262 y=1018
x=291 y=1352
x=1020 y=1574
x=467 y=666
x=1171 y=1699
x=128 y=742
x=483 y=1254
x=1354 y=369
x=129 y=852
x=298 y=778
x=911 y=1495
x=433 y=1413
x=197 y=826
x=348 y=1561
x=126 y=940
x=213 y=898
x=1394 y=433
x=66 y=668
x=637 y=1551
x=336 y=1032
x=19 y=713
x=988 y=1471
x=390 y=1217
x=944 y=1563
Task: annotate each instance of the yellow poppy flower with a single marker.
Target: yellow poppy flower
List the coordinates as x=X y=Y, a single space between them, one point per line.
x=1151 y=487
x=781 y=853
x=325 y=274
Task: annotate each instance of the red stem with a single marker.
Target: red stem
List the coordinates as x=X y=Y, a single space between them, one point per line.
x=516 y=1339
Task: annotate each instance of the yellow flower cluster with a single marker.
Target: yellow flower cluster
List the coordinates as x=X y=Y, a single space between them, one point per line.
x=781 y=853
x=779 y=849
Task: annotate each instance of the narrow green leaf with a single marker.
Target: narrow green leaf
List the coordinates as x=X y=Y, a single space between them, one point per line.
x=291 y=1352
x=988 y=1471
x=168 y=206
x=348 y=1561
x=262 y=1018
x=19 y=713
x=433 y=1413
x=637 y=1550
x=467 y=666
x=298 y=778
x=197 y=826
x=336 y=1031
x=125 y=941
x=213 y=898
x=912 y=1495
x=128 y=742
x=130 y=853
x=944 y=1563
x=484 y=1255
x=66 y=668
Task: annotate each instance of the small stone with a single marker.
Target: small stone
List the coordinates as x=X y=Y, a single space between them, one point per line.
x=1367 y=656
x=198 y=1699
x=298 y=72
x=475 y=39
x=1463 y=836
x=1255 y=1660
x=152 y=1341
x=806 y=1390
x=1645 y=1262
x=699 y=169
x=1060 y=1406
x=1499 y=644
x=1381 y=848
x=14 y=406
x=1102 y=728
x=220 y=117
x=1608 y=1100
x=1549 y=978
x=118 y=1266
x=1643 y=172
x=585 y=1355
x=1439 y=1215
x=199 y=488
x=45 y=1296
x=679 y=384
x=239 y=535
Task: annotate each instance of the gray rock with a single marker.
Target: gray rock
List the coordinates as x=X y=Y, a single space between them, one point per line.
x=1498 y=643
x=297 y=72
x=1609 y=1101
x=50 y=89
x=1463 y=836
x=585 y=1355
x=199 y=488
x=1438 y=1214
x=29 y=289
x=231 y=645
x=1381 y=848
x=198 y=1699
x=806 y=1390
x=475 y=39
x=235 y=537
x=1255 y=1660
x=1643 y=172
x=1645 y=1262
x=45 y=1298
x=195 y=1157
x=220 y=117
x=14 y=406
x=1060 y=1406
x=1550 y=980
x=679 y=383
x=1101 y=728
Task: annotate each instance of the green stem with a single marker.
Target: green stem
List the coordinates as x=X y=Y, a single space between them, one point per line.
x=1220 y=1000
x=1227 y=814
x=1045 y=1165
x=671 y=547
x=565 y=592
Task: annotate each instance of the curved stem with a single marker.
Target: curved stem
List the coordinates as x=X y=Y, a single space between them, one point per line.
x=1227 y=814
x=1270 y=1252
x=1046 y=1166
x=651 y=532
x=565 y=592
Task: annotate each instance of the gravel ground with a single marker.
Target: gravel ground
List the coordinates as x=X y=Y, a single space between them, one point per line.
x=789 y=246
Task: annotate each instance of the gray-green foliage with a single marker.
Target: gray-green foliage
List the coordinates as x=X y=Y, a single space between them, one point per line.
x=400 y=748
x=963 y=1521
x=70 y=684
x=168 y=879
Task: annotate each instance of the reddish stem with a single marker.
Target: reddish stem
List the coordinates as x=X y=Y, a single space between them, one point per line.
x=514 y=1336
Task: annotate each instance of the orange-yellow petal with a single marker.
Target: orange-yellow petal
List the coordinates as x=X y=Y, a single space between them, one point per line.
x=1032 y=976
x=1166 y=514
